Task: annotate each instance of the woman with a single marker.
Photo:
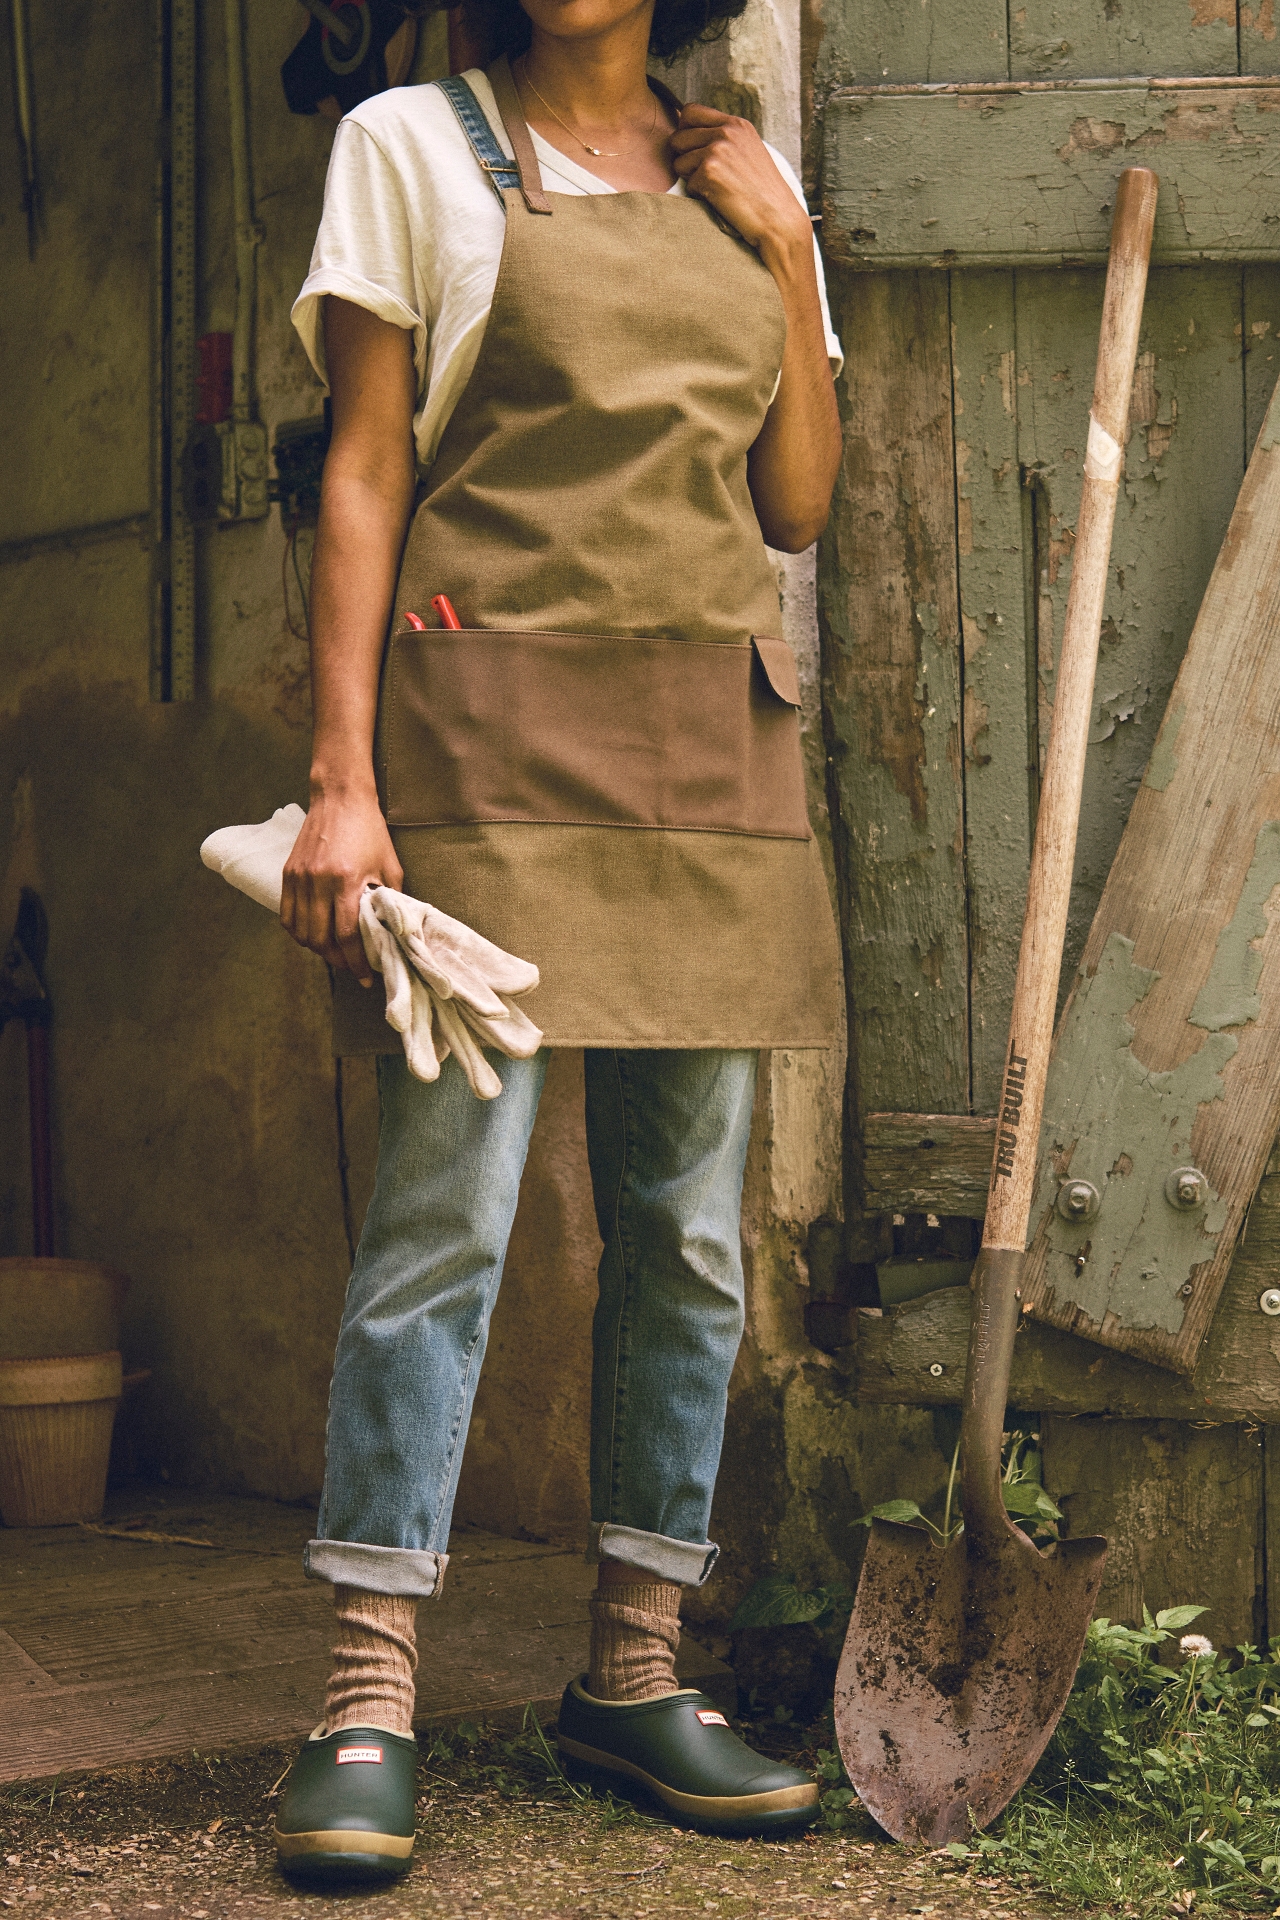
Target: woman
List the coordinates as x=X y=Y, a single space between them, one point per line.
x=583 y=328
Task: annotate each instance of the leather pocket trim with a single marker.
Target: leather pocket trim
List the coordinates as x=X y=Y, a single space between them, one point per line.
x=483 y=725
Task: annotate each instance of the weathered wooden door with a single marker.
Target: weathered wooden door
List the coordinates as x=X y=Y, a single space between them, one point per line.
x=966 y=230
x=968 y=151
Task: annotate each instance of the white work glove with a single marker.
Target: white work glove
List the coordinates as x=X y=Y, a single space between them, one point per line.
x=446 y=986
x=253 y=858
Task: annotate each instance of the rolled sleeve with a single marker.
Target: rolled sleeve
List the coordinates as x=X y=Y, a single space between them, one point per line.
x=364 y=248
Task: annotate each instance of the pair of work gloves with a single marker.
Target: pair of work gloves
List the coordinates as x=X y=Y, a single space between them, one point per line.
x=449 y=990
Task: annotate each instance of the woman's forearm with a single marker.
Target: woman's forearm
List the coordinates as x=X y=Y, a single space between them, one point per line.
x=792 y=467
x=366 y=497
x=353 y=576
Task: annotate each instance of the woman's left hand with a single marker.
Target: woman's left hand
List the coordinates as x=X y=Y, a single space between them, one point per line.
x=724 y=161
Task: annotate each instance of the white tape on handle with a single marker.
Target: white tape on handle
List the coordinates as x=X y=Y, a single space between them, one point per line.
x=1102 y=456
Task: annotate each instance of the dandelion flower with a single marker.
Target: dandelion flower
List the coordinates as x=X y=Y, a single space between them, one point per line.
x=1196 y=1645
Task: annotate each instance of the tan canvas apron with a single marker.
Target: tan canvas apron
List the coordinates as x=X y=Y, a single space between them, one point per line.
x=602 y=771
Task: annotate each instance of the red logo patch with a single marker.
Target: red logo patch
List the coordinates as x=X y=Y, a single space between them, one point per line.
x=370 y=1755
x=709 y=1719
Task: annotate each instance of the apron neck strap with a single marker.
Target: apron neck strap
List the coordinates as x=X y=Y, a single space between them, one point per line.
x=504 y=92
x=671 y=101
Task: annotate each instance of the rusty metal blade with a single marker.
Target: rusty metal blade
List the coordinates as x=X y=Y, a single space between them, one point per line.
x=955 y=1669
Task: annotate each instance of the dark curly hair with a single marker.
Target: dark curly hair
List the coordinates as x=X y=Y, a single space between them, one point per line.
x=503 y=26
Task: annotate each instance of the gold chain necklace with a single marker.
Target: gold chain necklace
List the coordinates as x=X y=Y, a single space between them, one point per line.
x=600 y=153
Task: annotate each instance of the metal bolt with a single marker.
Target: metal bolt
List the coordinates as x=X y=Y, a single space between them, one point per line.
x=1078 y=1200
x=1186 y=1188
x=1187 y=1290
x=1270 y=1301
x=937 y=1368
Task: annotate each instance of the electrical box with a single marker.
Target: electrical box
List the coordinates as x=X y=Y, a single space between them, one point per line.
x=224 y=472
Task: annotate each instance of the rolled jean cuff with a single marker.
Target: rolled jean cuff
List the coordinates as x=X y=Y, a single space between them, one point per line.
x=416 y=1572
x=684 y=1562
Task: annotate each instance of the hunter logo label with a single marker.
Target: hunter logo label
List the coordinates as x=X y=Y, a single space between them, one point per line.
x=1015 y=1080
x=372 y=1756
x=710 y=1719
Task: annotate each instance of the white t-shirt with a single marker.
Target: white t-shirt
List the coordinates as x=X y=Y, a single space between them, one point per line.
x=413 y=231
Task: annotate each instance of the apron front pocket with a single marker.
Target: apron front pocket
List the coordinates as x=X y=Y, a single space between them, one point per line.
x=593 y=730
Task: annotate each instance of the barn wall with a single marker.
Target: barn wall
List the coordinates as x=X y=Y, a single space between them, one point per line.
x=197 y=1107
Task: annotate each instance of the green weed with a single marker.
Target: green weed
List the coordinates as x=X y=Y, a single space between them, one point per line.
x=1160 y=1790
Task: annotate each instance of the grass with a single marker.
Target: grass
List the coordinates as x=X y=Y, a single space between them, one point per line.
x=1160 y=1790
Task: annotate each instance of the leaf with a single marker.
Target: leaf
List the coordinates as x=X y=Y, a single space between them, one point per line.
x=1230 y=1856
x=903 y=1511
x=1174 y=1619
x=776 y=1601
x=1028 y=1497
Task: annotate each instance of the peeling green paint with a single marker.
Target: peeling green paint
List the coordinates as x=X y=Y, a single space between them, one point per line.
x=1229 y=996
x=1111 y=1121
x=1271 y=425
x=1163 y=763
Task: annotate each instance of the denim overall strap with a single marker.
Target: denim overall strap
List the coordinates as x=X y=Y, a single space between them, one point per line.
x=472 y=118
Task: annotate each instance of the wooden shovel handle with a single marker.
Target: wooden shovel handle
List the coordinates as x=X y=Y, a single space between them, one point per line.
x=1013 y=1172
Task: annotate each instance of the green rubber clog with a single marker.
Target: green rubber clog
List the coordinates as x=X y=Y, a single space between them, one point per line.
x=684 y=1751
x=347 y=1811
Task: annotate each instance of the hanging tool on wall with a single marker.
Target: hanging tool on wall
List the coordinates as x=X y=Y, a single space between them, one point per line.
x=958 y=1663
x=23 y=996
x=350 y=51
x=25 y=104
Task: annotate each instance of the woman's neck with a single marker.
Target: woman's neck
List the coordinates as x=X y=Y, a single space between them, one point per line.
x=596 y=79
x=593 y=93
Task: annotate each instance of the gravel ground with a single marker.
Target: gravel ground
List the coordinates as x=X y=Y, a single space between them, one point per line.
x=190 y=1838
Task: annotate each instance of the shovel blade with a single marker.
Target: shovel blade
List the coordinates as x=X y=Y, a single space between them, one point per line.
x=955 y=1668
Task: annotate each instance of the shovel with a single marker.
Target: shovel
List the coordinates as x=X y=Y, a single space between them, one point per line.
x=958 y=1662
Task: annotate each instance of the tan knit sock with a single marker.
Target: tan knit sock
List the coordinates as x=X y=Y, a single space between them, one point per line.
x=374 y=1656
x=634 y=1635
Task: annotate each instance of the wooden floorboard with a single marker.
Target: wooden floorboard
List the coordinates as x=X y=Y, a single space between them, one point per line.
x=121 y=1649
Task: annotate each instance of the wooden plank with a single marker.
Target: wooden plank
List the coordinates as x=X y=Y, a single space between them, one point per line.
x=1237 y=1377
x=1023 y=174
x=998 y=723
x=1261 y=336
x=891 y=694
x=1169 y=1051
x=930 y=40
x=1181 y=1509
x=1075 y=39
x=927 y=1163
x=1259 y=42
x=1183 y=464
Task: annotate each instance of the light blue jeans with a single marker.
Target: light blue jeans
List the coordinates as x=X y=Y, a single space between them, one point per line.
x=667 y=1141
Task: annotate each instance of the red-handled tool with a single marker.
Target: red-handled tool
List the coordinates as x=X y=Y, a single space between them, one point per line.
x=444 y=607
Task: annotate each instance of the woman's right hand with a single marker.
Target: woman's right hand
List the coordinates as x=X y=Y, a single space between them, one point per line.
x=344 y=845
